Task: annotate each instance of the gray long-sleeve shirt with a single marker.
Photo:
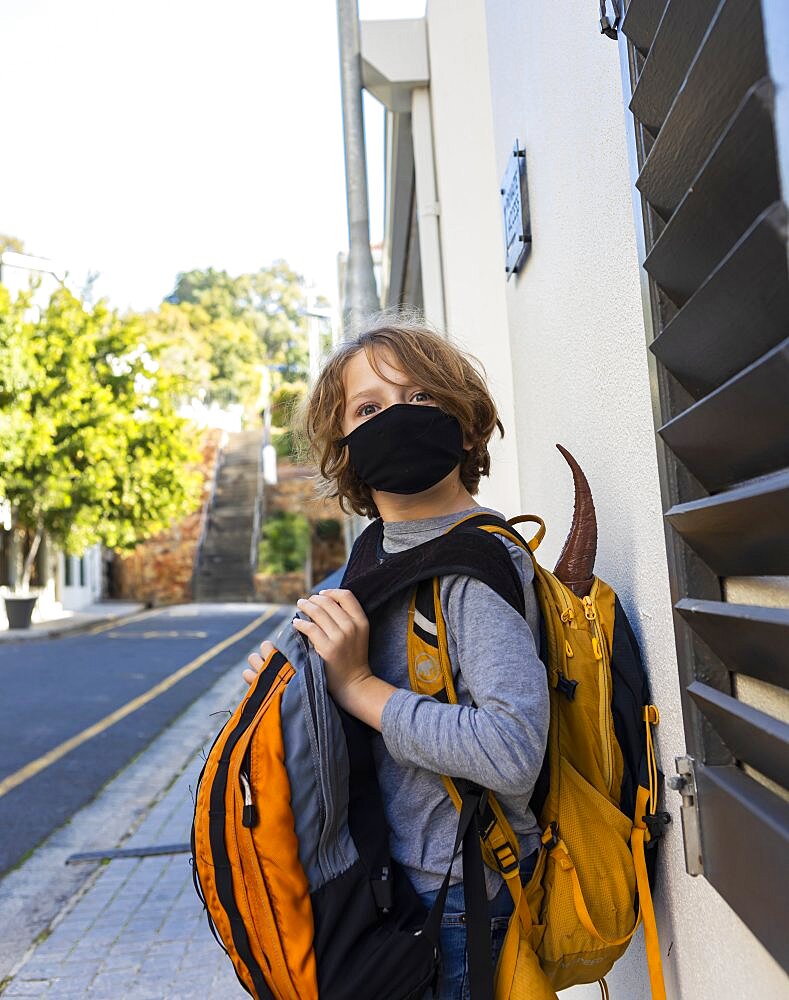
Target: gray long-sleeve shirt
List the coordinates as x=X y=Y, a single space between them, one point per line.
x=495 y=735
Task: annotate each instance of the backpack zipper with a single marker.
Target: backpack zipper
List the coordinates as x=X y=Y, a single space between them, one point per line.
x=567 y=615
x=270 y=944
x=309 y=681
x=599 y=647
x=249 y=816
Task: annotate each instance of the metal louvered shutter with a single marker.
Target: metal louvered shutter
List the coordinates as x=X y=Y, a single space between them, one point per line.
x=715 y=252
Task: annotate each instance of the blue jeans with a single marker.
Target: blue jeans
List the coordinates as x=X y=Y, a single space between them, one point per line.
x=453 y=983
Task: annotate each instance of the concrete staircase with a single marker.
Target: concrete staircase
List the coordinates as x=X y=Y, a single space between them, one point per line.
x=223 y=571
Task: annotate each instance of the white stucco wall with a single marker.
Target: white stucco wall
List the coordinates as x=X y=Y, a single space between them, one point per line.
x=575 y=351
x=467 y=187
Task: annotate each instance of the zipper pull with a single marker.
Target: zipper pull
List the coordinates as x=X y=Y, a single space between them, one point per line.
x=589 y=610
x=249 y=816
x=567 y=615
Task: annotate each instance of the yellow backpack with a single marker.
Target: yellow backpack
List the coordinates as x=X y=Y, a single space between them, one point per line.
x=596 y=800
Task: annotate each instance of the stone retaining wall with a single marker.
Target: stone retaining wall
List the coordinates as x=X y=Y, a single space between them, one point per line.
x=159 y=570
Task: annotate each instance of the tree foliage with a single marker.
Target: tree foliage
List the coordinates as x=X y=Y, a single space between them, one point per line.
x=182 y=347
x=93 y=447
x=284 y=543
x=94 y=450
x=252 y=319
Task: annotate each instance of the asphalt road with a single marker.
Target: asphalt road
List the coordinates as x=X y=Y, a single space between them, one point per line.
x=53 y=690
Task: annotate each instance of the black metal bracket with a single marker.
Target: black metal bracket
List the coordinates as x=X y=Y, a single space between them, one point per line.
x=608 y=27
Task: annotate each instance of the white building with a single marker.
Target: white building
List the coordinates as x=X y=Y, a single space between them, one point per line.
x=582 y=346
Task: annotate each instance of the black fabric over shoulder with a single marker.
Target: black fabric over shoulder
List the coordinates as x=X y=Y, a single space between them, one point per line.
x=363 y=552
x=465 y=551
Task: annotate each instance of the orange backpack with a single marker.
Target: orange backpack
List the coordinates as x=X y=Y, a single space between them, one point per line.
x=290 y=846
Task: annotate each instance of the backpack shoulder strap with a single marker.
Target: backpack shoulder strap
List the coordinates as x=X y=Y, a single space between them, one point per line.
x=465 y=552
x=430 y=669
x=363 y=555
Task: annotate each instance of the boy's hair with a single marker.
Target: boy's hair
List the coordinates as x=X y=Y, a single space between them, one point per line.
x=435 y=365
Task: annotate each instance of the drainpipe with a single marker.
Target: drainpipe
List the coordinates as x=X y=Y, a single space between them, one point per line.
x=428 y=209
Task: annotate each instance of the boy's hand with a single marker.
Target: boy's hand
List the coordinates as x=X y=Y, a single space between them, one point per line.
x=256 y=662
x=340 y=633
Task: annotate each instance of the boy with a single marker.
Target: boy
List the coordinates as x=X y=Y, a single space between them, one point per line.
x=400 y=421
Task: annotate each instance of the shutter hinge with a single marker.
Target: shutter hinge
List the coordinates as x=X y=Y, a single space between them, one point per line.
x=684 y=782
x=607 y=26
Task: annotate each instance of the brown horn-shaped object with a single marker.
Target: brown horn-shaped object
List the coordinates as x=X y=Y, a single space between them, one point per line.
x=575 y=567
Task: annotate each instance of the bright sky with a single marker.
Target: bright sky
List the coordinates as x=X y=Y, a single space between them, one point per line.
x=141 y=139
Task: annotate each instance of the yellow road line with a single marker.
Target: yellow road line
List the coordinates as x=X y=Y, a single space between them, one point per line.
x=38 y=765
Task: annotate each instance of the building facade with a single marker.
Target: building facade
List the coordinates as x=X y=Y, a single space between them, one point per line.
x=644 y=329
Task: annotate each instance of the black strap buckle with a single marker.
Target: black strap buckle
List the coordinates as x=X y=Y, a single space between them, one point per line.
x=566 y=686
x=500 y=852
x=549 y=845
x=469 y=790
x=487 y=822
x=656 y=823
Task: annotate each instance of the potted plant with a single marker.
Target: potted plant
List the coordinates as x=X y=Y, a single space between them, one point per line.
x=20 y=602
x=19 y=609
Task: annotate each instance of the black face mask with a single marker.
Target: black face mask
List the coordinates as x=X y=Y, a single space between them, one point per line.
x=406 y=448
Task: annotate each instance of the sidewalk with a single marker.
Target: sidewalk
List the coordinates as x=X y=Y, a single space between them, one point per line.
x=97 y=614
x=138 y=931
x=135 y=928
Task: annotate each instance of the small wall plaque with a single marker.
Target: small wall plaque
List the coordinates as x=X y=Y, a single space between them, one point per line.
x=515 y=211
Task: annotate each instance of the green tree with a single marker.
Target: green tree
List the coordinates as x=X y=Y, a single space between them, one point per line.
x=94 y=450
x=182 y=348
x=236 y=359
x=271 y=302
x=284 y=543
x=217 y=359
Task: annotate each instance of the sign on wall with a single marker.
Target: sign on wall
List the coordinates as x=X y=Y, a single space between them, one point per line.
x=515 y=211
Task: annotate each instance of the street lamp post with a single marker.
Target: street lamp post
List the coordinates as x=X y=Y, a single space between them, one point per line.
x=361 y=297
x=360 y=300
